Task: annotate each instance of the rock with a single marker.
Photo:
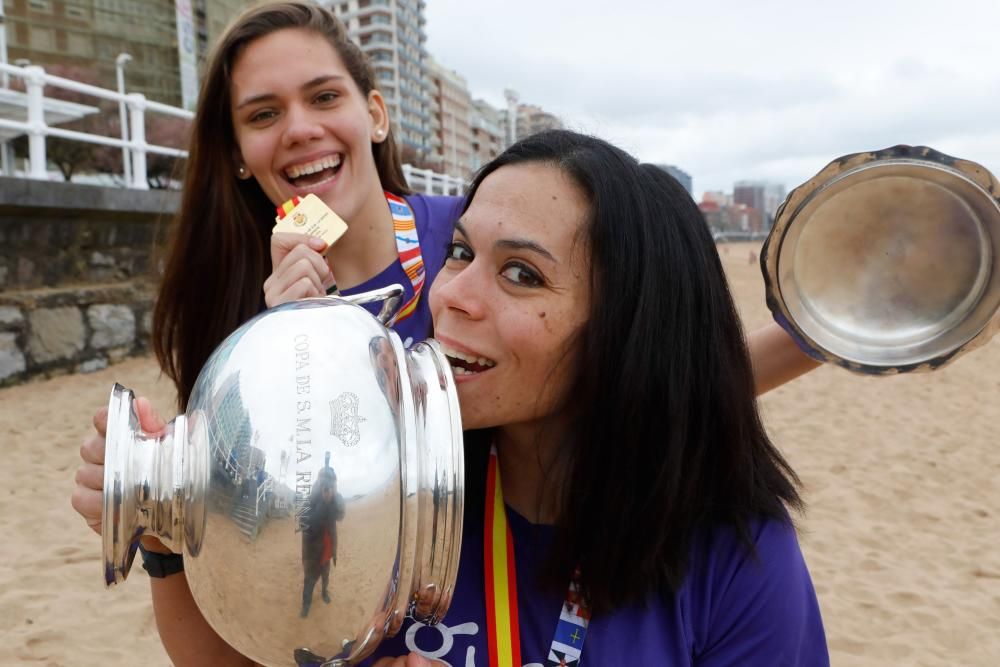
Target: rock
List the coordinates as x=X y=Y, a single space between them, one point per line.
x=113 y=326
x=56 y=334
x=100 y=259
x=12 y=361
x=92 y=365
x=11 y=317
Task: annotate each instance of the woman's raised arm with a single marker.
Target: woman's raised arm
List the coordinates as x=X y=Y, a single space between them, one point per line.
x=776 y=358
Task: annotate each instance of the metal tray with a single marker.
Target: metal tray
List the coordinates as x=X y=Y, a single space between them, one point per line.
x=888 y=261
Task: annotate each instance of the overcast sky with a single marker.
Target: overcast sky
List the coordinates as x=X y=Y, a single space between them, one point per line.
x=740 y=89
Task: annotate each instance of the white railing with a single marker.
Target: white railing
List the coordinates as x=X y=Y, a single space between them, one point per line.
x=35 y=79
x=262 y=490
x=432 y=183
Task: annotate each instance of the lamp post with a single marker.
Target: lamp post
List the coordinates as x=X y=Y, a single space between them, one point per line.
x=4 y=77
x=120 y=62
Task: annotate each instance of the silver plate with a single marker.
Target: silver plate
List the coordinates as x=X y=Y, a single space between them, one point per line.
x=888 y=261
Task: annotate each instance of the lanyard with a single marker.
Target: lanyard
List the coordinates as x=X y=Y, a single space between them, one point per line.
x=408 y=246
x=503 y=634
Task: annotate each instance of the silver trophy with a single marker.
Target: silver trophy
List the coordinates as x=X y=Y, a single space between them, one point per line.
x=314 y=484
x=889 y=261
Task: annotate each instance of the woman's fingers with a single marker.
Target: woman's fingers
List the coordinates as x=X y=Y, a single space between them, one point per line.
x=88 y=503
x=88 y=495
x=282 y=244
x=90 y=475
x=101 y=421
x=150 y=422
x=301 y=272
x=92 y=450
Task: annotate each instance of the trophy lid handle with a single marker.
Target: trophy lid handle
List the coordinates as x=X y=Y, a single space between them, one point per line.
x=390 y=295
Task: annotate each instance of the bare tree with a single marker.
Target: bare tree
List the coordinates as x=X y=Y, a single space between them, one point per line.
x=173 y=132
x=419 y=159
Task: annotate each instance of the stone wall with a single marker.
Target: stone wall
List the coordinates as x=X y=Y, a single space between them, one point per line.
x=74 y=329
x=77 y=275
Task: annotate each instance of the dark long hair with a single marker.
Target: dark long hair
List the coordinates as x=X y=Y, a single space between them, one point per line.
x=218 y=253
x=665 y=439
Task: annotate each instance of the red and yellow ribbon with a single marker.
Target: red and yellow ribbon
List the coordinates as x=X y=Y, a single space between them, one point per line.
x=501 y=576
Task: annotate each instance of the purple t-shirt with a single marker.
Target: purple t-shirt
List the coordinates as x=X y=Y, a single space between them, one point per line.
x=731 y=610
x=435 y=218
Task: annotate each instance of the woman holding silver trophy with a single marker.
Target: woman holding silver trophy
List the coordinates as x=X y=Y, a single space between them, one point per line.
x=587 y=317
x=592 y=337
x=600 y=320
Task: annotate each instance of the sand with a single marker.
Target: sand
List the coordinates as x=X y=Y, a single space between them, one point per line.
x=902 y=531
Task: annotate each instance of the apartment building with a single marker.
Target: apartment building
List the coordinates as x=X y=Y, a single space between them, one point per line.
x=89 y=34
x=451 y=115
x=391 y=33
x=532 y=119
x=487 y=129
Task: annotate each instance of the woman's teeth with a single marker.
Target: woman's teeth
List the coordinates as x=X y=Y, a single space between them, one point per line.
x=466 y=364
x=299 y=170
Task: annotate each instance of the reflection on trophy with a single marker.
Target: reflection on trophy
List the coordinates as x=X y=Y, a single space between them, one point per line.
x=318 y=525
x=889 y=261
x=315 y=453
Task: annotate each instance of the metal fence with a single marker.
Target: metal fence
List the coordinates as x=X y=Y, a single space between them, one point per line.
x=432 y=183
x=133 y=140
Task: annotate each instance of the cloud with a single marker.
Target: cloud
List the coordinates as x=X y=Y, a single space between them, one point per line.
x=773 y=89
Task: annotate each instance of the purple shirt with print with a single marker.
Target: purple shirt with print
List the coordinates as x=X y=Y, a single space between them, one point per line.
x=733 y=609
x=435 y=220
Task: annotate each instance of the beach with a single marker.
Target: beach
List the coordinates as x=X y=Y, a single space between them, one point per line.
x=901 y=530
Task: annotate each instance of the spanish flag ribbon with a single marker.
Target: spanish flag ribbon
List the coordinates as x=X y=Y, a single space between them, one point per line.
x=503 y=633
x=501 y=576
x=287 y=207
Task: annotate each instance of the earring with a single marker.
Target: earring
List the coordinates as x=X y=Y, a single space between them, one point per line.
x=379 y=132
x=242 y=172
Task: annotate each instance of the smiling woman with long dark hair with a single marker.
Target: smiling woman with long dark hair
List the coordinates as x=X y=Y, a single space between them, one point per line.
x=624 y=505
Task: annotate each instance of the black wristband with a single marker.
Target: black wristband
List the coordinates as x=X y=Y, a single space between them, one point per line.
x=161 y=565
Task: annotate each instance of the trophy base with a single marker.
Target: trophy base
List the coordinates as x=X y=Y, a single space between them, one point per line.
x=119 y=532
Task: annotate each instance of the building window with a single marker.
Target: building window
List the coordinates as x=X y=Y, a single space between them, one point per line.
x=40 y=5
x=43 y=39
x=80 y=44
x=76 y=12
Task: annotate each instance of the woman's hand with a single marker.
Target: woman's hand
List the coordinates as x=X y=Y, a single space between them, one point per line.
x=411 y=660
x=298 y=269
x=88 y=496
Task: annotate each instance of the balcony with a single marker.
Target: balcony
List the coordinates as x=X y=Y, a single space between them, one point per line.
x=370 y=29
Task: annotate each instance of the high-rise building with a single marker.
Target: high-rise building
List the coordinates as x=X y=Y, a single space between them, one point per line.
x=212 y=17
x=718 y=197
x=760 y=195
x=89 y=35
x=488 y=139
x=391 y=33
x=451 y=112
x=749 y=193
x=679 y=175
x=774 y=195
x=510 y=118
x=532 y=119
